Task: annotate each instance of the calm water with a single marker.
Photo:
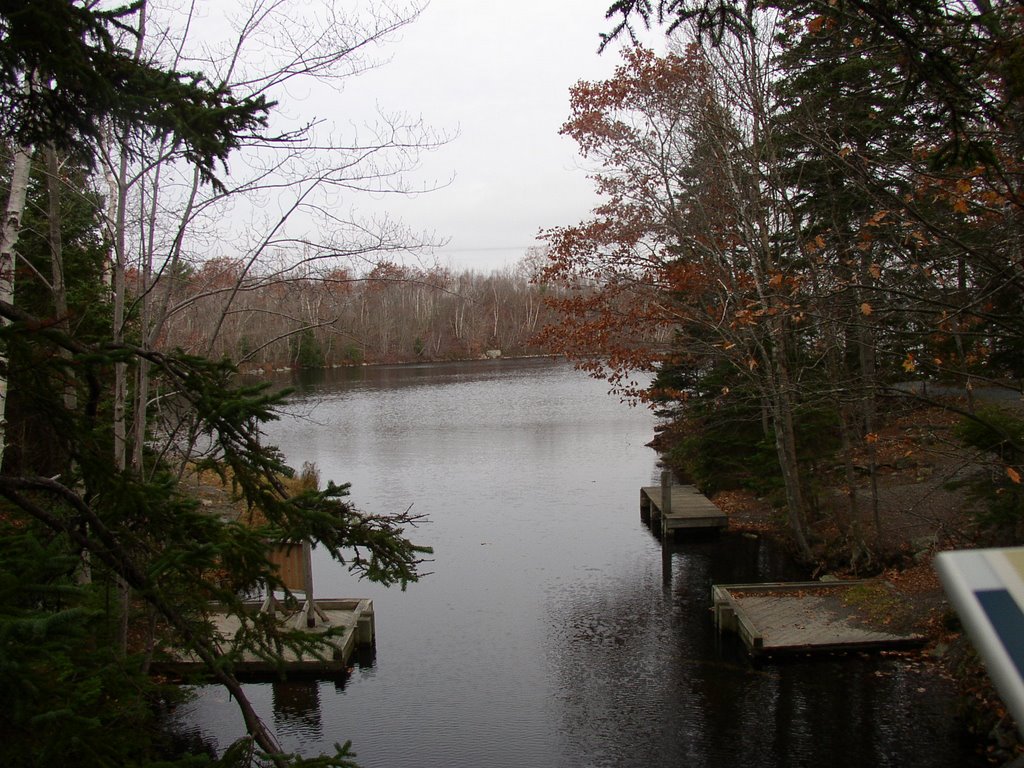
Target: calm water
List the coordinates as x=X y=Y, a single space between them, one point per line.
x=546 y=634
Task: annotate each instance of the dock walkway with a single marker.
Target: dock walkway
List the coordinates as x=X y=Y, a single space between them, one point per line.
x=687 y=508
x=800 y=617
x=354 y=616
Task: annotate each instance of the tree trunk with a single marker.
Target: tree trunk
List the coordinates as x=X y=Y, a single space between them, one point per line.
x=120 y=200
x=60 y=293
x=785 y=446
x=83 y=574
x=867 y=350
x=9 y=233
x=119 y=203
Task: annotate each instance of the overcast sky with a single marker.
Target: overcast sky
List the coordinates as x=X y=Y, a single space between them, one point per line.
x=498 y=74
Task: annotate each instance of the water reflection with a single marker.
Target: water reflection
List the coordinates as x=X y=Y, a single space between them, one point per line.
x=547 y=634
x=297 y=707
x=645 y=682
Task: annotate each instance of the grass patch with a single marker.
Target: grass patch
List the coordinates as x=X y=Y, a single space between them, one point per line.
x=875 y=601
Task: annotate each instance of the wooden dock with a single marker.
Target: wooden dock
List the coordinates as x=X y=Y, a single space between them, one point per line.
x=802 y=617
x=353 y=616
x=687 y=508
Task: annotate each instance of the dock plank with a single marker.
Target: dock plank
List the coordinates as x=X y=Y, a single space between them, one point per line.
x=354 y=617
x=804 y=616
x=689 y=509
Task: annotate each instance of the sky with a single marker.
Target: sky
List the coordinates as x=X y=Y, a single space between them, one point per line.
x=497 y=74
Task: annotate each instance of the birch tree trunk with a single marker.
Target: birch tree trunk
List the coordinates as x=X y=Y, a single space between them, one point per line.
x=59 y=287
x=119 y=194
x=9 y=233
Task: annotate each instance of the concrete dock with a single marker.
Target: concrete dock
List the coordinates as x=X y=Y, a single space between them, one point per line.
x=354 y=617
x=682 y=507
x=803 y=617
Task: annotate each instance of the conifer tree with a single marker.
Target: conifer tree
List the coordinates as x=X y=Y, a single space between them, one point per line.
x=67 y=77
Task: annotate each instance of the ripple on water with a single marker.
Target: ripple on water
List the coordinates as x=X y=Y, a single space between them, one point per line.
x=546 y=636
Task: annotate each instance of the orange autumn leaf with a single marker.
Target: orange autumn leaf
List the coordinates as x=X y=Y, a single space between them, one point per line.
x=865 y=309
x=871 y=437
x=877 y=218
x=910 y=364
x=1013 y=474
x=875 y=270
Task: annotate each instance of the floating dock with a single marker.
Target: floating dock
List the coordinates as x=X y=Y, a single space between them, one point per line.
x=804 y=617
x=686 y=508
x=354 y=617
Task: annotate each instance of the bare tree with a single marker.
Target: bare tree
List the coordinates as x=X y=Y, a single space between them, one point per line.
x=280 y=213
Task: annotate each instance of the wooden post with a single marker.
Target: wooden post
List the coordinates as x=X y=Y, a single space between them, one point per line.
x=666 y=492
x=666 y=501
x=310 y=610
x=307 y=557
x=666 y=509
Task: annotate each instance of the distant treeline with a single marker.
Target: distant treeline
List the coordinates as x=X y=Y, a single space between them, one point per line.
x=392 y=313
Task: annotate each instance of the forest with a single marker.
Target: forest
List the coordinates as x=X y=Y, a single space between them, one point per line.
x=821 y=202
x=390 y=313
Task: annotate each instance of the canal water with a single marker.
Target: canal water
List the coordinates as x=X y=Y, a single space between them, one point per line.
x=547 y=633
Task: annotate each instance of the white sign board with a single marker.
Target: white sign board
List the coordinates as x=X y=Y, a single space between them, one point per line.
x=986 y=586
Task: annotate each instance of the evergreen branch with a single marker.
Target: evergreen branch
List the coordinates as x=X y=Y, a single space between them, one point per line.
x=121 y=563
